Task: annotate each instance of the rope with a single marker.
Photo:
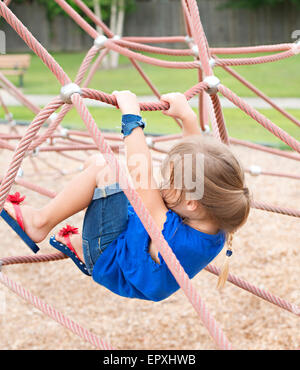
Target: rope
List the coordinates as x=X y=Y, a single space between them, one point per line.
x=54 y=314
x=31 y=141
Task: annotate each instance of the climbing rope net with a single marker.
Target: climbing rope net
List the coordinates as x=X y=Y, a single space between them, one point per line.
x=72 y=94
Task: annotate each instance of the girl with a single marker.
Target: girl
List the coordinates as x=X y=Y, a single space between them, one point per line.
x=114 y=247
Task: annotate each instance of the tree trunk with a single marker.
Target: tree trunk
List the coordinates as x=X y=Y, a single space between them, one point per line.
x=97 y=10
x=117 y=16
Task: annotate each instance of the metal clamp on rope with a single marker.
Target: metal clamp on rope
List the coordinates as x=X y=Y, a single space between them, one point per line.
x=255 y=170
x=67 y=91
x=195 y=50
x=52 y=118
x=20 y=172
x=149 y=141
x=100 y=41
x=206 y=129
x=188 y=39
x=212 y=62
x=296 y=47
x=213 y=83
x=64 y=132
x=35 y=152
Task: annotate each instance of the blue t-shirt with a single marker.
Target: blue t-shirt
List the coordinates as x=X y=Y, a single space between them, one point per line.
x=127 y=269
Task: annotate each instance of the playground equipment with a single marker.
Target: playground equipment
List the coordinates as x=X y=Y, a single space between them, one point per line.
x=72 y=94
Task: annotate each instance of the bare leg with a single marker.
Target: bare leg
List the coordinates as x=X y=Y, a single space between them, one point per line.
x=75 y=197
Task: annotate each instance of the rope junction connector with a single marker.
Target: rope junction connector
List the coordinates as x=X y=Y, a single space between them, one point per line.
x=149 y=142
x=52 y=118
x=51 y=141
x=20 y=172
x=9 y=116
x=206 y=129
x=255 y=170
x=67 y=91
x=296 y=47
x=100 y=42
x=195 y=50
x=188 y=39
x=213 y=83
x=35 y=152
x=212 y=62
x=64 y=132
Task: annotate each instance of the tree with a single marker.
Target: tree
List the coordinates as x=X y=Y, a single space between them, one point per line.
x=107 y=10
x=117 y=17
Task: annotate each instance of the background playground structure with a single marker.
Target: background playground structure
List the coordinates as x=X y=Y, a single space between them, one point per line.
x=58 y=140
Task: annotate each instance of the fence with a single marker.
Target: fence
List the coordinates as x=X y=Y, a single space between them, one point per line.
x=224 y=27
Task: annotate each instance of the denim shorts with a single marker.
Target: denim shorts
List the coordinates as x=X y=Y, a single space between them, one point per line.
x=105 y=219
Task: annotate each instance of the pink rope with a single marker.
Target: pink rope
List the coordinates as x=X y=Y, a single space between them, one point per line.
x=261 y=293
x=33 y=44
x=194 y=26
x=257 y=60
x=22 y=148
x=251 y=49
x=257 y=291
x=153 y=231
x=54 y=314
x=260 y=118
x=199 y=36
x=262 y=95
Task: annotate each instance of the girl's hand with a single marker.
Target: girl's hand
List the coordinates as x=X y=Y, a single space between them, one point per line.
x=179 y=106
x=127 y=102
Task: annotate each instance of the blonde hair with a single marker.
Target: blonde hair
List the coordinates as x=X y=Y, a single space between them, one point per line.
x=225 y=197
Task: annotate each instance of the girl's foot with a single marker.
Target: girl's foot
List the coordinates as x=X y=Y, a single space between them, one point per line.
x=69 y=242
x=76 y=242
x=32 y=223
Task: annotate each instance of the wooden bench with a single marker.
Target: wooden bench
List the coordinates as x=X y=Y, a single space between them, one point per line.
x=15 y=64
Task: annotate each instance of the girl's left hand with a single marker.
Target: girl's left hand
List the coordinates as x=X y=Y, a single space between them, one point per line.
x=127 y=102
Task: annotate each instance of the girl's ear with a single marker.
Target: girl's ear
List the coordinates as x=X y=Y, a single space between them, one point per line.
x=192 y=205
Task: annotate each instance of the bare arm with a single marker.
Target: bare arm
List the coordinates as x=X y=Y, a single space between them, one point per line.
x=180 y=108
x=139 y=162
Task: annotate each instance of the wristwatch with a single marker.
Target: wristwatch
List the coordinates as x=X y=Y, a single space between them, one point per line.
x=130 y=122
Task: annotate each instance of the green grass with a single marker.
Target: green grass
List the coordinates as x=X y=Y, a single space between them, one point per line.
x=278 y=79
x=238 y=123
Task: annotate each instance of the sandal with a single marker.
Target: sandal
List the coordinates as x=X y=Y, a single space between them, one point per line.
x=18 y=224
x=67 y=248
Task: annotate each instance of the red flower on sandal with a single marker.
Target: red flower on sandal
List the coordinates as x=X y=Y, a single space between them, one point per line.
x=68 y=230
x=15 y=198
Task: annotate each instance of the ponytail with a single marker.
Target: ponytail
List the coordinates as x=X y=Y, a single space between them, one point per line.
x=224 y=272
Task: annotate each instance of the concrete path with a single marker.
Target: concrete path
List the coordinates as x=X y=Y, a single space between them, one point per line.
x=257 y=103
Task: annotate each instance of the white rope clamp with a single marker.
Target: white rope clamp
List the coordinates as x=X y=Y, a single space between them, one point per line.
x=52 y=118
x=296 y=47
x=100 y=41
x=206 y=129
x=188 y=39
x=68 y=90
x=149 y=141
x=213 y=83
x=195 y=50
x=255 y=170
